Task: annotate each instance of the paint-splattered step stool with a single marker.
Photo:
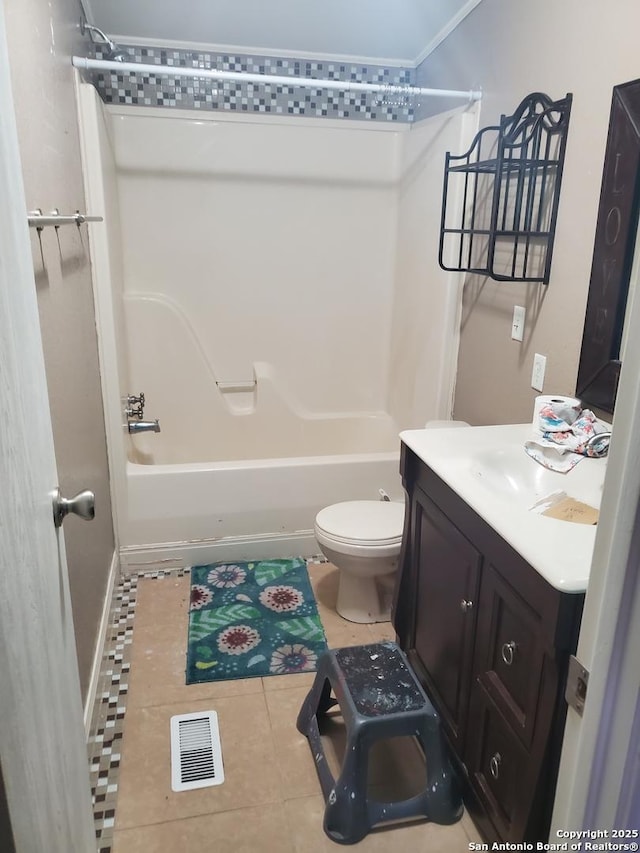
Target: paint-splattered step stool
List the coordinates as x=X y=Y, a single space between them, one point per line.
x=379 y=697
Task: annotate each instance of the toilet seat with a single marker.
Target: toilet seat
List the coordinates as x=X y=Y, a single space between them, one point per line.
x=361 y=528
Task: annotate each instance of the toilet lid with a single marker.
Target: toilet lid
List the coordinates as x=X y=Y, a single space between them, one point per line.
x=363 y=522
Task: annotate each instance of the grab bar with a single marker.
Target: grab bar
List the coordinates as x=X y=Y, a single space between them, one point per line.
x=38 y=219
x=241 y=385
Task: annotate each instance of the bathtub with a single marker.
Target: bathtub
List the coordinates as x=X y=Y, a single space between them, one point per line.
x=189 y=512
x=272 y=403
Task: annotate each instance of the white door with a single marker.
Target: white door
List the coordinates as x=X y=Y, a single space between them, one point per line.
x=42 y=747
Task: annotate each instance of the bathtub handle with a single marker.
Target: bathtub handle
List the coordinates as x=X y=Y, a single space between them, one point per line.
x=132 y=402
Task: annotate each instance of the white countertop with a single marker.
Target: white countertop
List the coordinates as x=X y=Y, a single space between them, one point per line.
x=490 y=470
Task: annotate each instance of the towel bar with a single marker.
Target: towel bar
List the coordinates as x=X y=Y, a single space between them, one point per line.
x=38 y=219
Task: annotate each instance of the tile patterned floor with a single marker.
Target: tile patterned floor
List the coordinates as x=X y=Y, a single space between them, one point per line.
x=107 y=723
x=271 y=799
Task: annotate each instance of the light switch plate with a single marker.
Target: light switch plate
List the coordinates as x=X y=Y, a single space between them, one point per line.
x=517 y=324
x=537 y=375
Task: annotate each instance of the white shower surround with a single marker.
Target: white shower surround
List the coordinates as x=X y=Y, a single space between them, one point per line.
x=307 y=213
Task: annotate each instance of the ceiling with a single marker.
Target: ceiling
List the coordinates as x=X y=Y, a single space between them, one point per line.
x=387 y=31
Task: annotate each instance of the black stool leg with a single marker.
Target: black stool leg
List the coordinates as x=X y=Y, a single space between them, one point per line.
x=326 y=701
x=317 y=701
x=444 y=800
x=346 y=816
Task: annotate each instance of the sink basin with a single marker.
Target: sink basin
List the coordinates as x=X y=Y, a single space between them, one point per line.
x=511 y=472
x=490 y=470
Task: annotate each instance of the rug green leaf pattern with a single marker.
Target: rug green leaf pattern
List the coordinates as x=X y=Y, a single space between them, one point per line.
x=306 y=628
x=270 y=570
x=205 y=622
x=252 y=619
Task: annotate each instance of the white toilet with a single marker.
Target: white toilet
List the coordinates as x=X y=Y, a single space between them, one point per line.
x=362 y=539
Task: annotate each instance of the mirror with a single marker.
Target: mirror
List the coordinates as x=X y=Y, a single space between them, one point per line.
x=600 y=356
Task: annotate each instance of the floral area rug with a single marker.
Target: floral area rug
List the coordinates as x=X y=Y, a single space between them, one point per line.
x=252 y=619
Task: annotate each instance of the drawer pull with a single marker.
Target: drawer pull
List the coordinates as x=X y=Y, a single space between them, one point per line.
x=508 y=651
x=494 y=765
x=466 y=605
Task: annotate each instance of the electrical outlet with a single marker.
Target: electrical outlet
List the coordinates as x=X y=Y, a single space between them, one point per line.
x=517 y=325
x=537 y=375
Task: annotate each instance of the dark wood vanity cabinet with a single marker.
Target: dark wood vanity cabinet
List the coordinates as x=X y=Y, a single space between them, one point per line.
x=490 y=640
x=443 y=635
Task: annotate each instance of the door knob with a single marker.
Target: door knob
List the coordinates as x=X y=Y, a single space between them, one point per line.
x=82 y=504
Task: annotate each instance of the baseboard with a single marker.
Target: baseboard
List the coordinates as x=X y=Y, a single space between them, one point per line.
x=99 y=650
x=169 y=555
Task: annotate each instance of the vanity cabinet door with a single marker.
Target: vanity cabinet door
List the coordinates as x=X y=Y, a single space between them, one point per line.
x=509 y=657
x=500 y=769
x=447 y=574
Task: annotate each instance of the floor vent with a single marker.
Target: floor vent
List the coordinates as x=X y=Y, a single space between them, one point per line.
x=196 y=753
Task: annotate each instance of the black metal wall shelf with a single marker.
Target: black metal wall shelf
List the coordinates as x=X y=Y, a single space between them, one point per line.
x=500 y=198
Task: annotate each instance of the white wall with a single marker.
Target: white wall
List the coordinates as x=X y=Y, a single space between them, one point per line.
x=426 y=303
x=274 y=239
x=509 y=50
x=333 y=28
x=99 y=166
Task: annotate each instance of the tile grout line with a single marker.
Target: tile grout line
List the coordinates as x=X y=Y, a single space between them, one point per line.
x=107 y=724
x=107 y=721
x=110 y=707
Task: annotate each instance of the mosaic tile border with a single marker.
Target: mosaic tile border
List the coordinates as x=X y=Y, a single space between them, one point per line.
x=208 y=95
x=107 y=720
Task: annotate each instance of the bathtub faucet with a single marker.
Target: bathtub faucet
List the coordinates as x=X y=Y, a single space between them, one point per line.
x=143 y=426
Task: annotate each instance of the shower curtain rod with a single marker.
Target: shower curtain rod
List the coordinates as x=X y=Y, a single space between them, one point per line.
x=87 y=64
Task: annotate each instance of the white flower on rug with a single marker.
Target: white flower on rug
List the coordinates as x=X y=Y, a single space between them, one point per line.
x=238 y=639
x=281 y=598
x=293 y=658
x=200 y=596
x=226 y=576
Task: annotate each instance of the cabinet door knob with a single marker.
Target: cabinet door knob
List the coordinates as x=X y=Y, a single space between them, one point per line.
x=508 y=651
x=466 y=605
x=494 y=765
